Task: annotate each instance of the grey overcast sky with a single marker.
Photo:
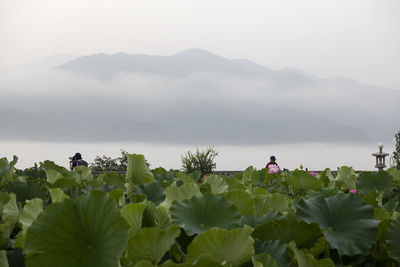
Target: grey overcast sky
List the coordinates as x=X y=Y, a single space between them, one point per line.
x=354 y=38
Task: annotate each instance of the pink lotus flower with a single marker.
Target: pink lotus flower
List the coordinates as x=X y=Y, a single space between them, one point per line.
x=353 y=191
x=273 y=169
x=313 y=173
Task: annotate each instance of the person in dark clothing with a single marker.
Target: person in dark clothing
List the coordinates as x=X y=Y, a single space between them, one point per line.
x=272 y=162
x=77 y=160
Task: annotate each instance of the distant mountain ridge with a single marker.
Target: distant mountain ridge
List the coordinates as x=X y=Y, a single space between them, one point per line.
x=186 y=62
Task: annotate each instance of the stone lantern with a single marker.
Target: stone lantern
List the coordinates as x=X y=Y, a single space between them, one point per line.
x=380 y=158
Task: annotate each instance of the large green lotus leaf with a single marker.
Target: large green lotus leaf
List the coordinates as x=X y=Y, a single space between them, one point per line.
x=137 y=171
x=50 y=165
x=301 y=181
x=247 y=175
x=4 y=198
x=149 y=215
x=307 y=260
x=152 y=243
x=53 y=175
x=57 y=195
x=380 y=181
x=201 y=213
x=395 y=173
x=392 y=241
x=4 y=236
x=154 y=192
x=288 y=229
x=275 y=248
x=385 y=219
x=133 y=214
x=89 y=231
x=326 y=177
x=117 y=194
x=83 y=174
x=3 y=258
x=163 y=217
x=346 y=178
x=7 y=170
x=264 y=260
x=11 y=213
x=348 y=222
x=113 y=179
x=65 y=183
x=223 y=246
x=180 y=193
x=168 y=263
x=242 y=200
x=30 y=212
x=270 y=202
x=217 y=183
x=33 y=188
x=318 y=248
x=254 y=221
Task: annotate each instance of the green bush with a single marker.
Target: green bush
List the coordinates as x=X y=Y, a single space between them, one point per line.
x=200 y=161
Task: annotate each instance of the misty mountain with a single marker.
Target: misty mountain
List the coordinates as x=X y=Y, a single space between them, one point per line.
x=193 y=97
x=189 y=61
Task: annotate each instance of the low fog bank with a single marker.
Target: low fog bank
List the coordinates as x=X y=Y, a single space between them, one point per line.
x=201 y=107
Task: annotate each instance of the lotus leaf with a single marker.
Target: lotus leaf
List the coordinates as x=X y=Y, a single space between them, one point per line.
x=11 y=213
x=223 y=246
x=307 y=260
x=218 y=184
x=301 y=181
x=275 y=248
x=112 y=178
x=57 y=195
x=380 y=181
x=33 y=188
x=254 y=221
x=163 y=216
x=346 y=178
x=393 y=240
x=117 y=194
x=204 y=212
x=264 y=260
x=242 y=200
x=4 y=236
x=153 y=191
x=173 y=192
x=288 y=229
x=88 y=231
x=152 y=243
x=137 y=171
x=133 y=214
x=348 y=222
x=3 y=258
x=270 y=202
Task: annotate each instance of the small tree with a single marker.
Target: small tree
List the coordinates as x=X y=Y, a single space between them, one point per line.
x=396 y=153
x=202 y=161
x=105 y=163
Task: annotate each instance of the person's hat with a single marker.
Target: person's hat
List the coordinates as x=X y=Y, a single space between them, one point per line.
x=272 y=158
x=78 y=155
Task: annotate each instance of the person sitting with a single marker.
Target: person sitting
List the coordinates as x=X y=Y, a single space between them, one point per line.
x=272 y=162
x=77 y=160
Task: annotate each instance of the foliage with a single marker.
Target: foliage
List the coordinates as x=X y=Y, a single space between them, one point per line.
x=396 y=152
x=200 y=161
x=106 y=163
x=51 y=216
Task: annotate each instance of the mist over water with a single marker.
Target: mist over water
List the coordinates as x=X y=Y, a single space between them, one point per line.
x=314 y=156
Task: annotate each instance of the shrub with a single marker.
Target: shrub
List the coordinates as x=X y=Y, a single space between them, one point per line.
x=200 y=161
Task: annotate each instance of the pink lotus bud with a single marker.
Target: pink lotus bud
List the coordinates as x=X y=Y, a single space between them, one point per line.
x=353 y=191
x=313 y=173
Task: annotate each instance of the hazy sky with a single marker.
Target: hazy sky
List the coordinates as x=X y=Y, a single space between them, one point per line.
x=355 y=38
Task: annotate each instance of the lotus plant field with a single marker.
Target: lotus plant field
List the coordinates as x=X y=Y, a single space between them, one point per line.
x=51 y=216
